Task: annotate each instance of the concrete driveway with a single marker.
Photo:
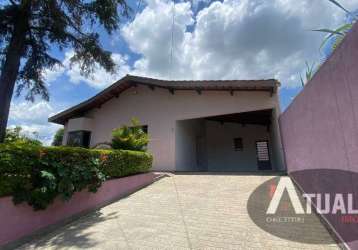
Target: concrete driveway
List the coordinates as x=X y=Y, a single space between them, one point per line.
x=191 y=211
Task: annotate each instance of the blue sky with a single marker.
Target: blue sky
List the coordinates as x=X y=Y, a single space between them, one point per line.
x=229 y=39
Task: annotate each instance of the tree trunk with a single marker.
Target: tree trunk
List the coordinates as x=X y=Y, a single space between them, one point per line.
x=11 y=67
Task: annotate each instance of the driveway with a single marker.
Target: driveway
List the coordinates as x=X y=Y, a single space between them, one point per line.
x=189 y=211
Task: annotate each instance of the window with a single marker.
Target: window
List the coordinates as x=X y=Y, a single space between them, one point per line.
x=238 y=145
x=145 y=129
x=263 y=155
x=80 y=138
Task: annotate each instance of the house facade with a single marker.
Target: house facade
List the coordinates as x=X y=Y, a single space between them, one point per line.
x=192 y=125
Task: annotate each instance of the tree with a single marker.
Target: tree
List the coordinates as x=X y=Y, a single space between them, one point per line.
x=130 y=138
x=57 y=139
x=28 y=31
x=15 y=135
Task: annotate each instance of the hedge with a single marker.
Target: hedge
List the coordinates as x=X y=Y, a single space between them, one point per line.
x=37 y=175
x=118 y=163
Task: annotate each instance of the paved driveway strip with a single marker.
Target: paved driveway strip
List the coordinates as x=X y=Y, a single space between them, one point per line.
x=189 y=211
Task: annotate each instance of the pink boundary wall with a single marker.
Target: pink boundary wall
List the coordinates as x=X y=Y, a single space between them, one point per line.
x=20 y=221
x=320 y=128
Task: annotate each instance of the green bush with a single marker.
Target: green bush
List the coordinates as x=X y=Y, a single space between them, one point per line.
x=37 y=175
x=117 y=163
x=130 y=138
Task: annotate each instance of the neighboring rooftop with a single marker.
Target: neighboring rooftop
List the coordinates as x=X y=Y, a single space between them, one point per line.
x=269 y=85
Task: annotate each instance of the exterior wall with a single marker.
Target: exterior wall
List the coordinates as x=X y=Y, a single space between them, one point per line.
x=320 y=128
x=160 y=110
x=220 y=146
x=186 y=136
x=65 y=134
x=81 y=123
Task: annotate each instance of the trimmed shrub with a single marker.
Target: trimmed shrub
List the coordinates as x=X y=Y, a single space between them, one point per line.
x=37 y=175
x=117 y=163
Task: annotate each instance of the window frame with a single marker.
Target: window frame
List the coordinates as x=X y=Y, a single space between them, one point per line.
x=82 y=140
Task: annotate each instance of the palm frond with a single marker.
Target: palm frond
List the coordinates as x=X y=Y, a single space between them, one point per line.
x=344 y=28
x=340 y=31
x=340 y=6
x=333 y=32
x=310 y=70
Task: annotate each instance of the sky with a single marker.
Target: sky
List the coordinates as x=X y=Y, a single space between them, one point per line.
x=227 y=39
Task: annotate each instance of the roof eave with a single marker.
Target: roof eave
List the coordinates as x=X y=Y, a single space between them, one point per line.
x=130 y=80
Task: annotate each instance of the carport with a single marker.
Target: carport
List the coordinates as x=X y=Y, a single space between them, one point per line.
x=231 y=142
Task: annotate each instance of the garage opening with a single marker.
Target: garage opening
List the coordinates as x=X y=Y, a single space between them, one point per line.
x=227 y=143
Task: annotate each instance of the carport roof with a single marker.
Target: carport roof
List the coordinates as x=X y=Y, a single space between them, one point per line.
x=258 y=117
x=128 y=81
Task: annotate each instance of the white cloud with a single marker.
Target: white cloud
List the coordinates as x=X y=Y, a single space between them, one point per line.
x=231 y=39
x=51 y=75
x=32 y=117
x=100 y=78
x=150 y=35
x=36 y=112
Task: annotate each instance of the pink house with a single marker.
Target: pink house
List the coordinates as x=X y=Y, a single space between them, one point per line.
x=193 y=125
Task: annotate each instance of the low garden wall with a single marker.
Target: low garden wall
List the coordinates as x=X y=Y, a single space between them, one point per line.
x=44 y=186
x=21 y=220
